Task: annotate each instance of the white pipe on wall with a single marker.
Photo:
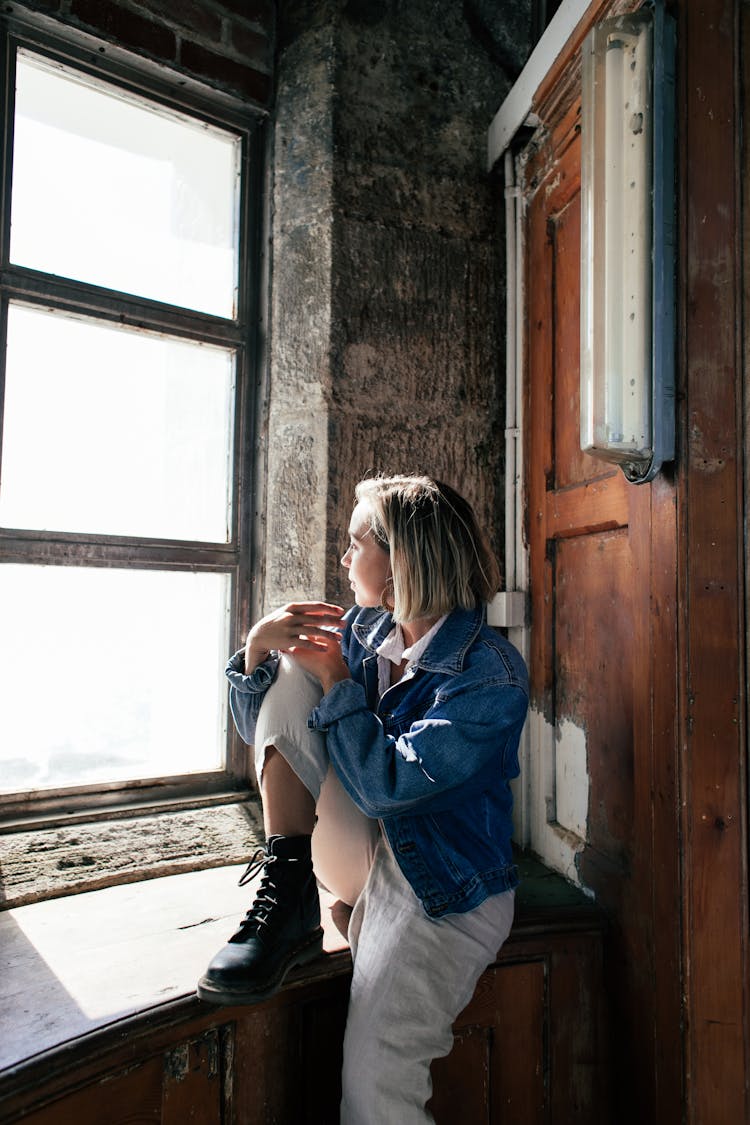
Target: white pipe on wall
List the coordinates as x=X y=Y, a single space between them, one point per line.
x=517 y=375
x=511 y=423
x=508 y=609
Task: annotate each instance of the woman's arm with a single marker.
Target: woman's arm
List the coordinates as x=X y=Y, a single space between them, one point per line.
x=466 y=741
x=251 y=671
x=247 y=692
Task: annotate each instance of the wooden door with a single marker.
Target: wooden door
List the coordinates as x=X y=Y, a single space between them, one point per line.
x=602 y=572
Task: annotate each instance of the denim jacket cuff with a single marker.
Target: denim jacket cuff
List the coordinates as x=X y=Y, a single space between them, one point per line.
x=259 y=680
x=345 y=698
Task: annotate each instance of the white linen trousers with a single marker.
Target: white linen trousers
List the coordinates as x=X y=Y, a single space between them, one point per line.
x=412 y=974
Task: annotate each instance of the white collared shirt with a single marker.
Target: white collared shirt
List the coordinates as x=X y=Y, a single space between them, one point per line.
x=394 y=651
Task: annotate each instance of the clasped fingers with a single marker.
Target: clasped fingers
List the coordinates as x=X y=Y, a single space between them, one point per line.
x=292 y=625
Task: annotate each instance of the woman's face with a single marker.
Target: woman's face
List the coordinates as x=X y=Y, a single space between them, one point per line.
x=368 y=564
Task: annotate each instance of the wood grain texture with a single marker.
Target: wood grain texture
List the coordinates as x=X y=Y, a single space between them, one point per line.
x=47 y=863
x=279 y=1061
x=712 y=668
x=602 y=564
x=192 y=1082
x=132 y=1097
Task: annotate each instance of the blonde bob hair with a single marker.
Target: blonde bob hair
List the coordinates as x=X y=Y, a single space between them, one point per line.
x=440 y=558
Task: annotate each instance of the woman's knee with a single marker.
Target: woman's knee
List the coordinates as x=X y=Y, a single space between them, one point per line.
x=282 y=727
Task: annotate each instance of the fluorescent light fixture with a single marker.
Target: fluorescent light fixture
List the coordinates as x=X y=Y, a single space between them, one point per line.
x=627 y=242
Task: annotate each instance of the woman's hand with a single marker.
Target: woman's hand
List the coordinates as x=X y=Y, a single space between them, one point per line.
x=294 y=627
x=323 y=659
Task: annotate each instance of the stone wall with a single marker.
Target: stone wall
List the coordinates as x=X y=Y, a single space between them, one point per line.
x=385 y=348
x=388 y=297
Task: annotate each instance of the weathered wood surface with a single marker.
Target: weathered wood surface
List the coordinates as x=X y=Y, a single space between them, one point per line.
x=667 y=847
x=113 y=989
x=602 y=564
x=45 y=863
x=712 y=650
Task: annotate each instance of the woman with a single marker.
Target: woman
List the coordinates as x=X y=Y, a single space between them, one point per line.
x=385 y=739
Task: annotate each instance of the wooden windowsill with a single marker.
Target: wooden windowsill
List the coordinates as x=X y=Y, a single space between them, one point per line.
x=78 y=974
x=72 y=966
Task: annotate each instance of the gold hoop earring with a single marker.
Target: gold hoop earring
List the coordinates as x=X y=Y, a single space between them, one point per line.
x=387 y=600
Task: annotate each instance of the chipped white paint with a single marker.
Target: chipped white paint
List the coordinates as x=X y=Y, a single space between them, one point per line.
x=555 y=793
x=571 y=778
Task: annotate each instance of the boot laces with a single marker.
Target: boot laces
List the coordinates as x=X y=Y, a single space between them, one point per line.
x=258 y=858
x=261 y=914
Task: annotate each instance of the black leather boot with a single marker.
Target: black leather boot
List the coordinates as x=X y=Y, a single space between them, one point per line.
x=281 y=929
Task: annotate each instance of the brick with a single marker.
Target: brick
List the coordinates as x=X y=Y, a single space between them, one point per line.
x=126 y=27
x=191 y=15
x=258 y=11
x=226 y=72
x=252 y=47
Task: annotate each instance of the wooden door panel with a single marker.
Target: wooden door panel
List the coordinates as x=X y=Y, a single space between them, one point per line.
x=192 y=1087
x=581 y=562
x=594 y=675
x=571 y=466
x=499 y=1070
x=602 y=558
x=521 y=1085
x=121 y=1099
x=462 y=1079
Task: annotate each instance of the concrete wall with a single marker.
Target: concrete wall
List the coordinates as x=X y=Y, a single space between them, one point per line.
x=386 y=348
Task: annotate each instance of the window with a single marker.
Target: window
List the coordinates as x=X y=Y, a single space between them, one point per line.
x=127 y=349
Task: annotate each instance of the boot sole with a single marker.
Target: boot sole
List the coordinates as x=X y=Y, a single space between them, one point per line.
x=214 y=993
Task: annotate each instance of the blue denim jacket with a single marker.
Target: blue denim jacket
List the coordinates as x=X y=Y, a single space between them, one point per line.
x=432 y=758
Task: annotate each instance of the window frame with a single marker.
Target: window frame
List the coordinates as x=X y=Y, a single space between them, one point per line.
x=243 y=334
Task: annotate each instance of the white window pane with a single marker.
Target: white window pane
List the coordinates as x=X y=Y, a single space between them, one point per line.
x=110 y=675
x=145 y=201
x=113 y=431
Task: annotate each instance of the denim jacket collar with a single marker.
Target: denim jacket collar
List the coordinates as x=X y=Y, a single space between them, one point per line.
x=446 y=652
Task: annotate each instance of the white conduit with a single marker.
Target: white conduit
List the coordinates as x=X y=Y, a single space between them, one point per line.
x=509 y=608
x=511 y=389
x=516 y=569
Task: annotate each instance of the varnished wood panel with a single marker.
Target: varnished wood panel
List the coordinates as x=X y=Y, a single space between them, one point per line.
x=192 y=1082
x=602 y=561
x=712 y=650
x=571 y=465
x=517 y=1079
x=521 y=1085
x=594 y=657
x=579 y=1050
x=131 y=1098
x=266 y=1059
x=462 y=1080
x=287 y=1059
x=600 y=504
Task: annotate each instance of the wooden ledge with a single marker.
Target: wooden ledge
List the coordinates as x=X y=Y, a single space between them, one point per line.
x=84 y=975
x=72 y=966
